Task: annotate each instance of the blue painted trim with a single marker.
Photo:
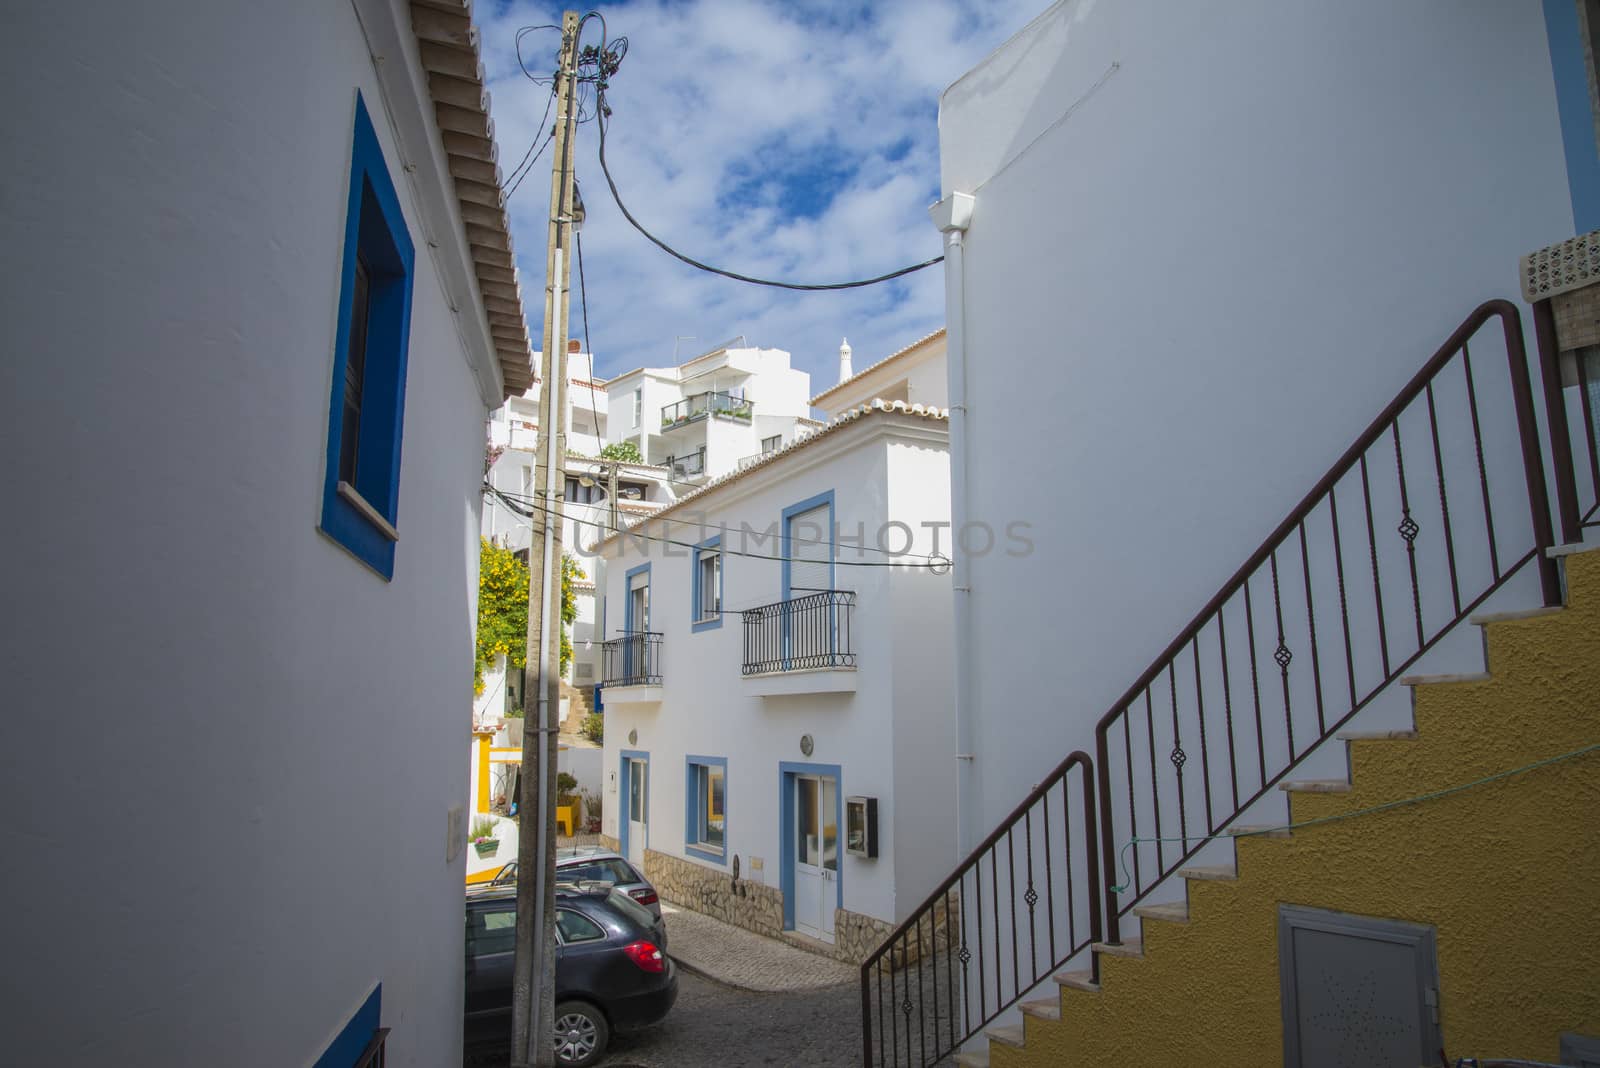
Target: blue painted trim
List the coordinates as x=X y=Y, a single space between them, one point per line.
x=696 y=624
x=352 y=1039
x=826 y=497
x=691 y=809
x=787 y=770
x=627 y=596
x=375 y=228
x=1575 y=111
x=624 y=810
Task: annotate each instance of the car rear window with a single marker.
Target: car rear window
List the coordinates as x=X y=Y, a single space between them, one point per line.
x=603 y=870
x=632 y=909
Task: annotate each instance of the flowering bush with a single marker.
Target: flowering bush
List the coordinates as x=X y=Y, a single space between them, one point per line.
x=483 y=830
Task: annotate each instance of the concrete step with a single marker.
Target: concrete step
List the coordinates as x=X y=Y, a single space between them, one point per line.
x=1005 y=1034
x=1315 y=786
x=1217 y=873
x=1437 y=680
x=1483 y=619
x=978 y=1058
x=1396 y=735
x=1131 y=947
x=1078 y=981
x=1170 y=912
x=1046 y=1009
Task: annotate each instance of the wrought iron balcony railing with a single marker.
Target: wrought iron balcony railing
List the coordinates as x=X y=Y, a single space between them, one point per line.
x=729 y=403
x=632 y=660
x=804 y=632
x=688 y=466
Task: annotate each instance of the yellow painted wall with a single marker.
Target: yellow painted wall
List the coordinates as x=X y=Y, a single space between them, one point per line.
x=1508 y=873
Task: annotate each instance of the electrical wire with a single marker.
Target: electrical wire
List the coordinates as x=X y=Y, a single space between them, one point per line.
x=606 y=65
x=938 y=566
x=529 y=158
x=583 y=300
x=932 y=558
x=1122 y=856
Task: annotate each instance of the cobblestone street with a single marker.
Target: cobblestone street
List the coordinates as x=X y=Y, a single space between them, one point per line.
x=713 y=1024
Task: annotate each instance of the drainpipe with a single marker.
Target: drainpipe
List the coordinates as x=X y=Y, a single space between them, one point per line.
x=952 y=216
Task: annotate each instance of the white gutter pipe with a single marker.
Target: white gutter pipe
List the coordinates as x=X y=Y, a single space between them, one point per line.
x=952 y=216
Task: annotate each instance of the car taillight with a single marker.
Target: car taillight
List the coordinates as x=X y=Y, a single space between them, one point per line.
x=644 y=896
x=646 y=956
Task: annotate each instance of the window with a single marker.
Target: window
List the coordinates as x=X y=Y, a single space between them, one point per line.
x=577 y=928
x=491 y=931
x=605 y=870
x=706 y=580
x=581 y=494
x=361 y=487
x=706 y=831
x=772 y=444
x=638 y=405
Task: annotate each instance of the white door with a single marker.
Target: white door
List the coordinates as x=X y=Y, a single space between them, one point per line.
x=816 y=856
x=638 y=809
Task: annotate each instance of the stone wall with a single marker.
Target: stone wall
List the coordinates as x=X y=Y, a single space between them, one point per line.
x=754 y=906
x=611 y=843
x=713 y=892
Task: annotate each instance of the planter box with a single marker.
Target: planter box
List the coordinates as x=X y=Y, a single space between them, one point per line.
x=487 y=849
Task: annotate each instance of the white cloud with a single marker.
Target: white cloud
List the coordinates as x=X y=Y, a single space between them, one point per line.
x=724 y=109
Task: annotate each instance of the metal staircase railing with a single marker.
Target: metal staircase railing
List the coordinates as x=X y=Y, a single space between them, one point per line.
x=1320 y=620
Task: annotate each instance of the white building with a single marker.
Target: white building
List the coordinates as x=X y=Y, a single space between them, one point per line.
x=748 y=699
x=1209 y=296
x=703 y=417
x=515 y=424
x=249 y=358
x=1193 y=253
x=914 y=375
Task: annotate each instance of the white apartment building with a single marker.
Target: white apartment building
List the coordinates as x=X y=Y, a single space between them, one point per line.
x=702 y=417
x=515 y=424
x=777 y=677
x=914 y=375
x=1232 y=296
x=250 y=352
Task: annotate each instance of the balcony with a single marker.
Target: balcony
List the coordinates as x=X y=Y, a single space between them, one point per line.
x=801 y=646
x=630 y=668
x=691 y=466
x=726 y=404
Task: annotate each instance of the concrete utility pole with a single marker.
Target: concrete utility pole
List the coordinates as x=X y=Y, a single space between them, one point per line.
x=533 y=982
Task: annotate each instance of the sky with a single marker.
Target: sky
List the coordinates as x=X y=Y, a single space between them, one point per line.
x=796 y=141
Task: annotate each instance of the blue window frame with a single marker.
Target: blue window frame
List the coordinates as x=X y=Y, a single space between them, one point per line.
x=353 y=1038
x=705 y=818
x=361 y=486
x=811 y=545
x=705 y=581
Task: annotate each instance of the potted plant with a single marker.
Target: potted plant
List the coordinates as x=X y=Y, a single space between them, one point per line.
x=483 y=836
x=592 y=812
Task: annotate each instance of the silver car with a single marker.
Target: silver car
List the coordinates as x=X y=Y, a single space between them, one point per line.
x=597 y=866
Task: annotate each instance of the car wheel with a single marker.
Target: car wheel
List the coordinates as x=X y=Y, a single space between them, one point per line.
x=581 y=1034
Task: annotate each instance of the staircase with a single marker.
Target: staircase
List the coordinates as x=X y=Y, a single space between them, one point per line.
x=1291 y=678
x=580 y=704
x=1505 y=870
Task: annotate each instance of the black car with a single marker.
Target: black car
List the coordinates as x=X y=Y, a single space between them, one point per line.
x=612 y=969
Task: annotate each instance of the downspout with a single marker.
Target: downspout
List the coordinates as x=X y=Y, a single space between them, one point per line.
x=952 y=216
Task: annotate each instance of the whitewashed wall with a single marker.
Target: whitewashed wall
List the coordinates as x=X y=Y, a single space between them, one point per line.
x=901 y=624
x=1210 y=243
x=275 y=736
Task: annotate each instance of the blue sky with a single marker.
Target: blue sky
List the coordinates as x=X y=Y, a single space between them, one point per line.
x=797 y=141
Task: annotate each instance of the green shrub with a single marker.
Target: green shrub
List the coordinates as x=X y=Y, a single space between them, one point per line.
x=594 y=727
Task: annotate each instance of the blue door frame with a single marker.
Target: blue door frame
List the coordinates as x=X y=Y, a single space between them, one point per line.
x=629 y=624
x=624 y=796
x=787 y=551
x=787 y=770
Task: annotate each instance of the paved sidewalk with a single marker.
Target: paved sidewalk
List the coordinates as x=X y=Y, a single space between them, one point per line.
x=745 y=959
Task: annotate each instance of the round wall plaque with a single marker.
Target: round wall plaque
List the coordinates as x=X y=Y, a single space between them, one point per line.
x=806 y=744
x=633 y=737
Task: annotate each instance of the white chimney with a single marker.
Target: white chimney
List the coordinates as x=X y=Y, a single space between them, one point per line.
x=844 y=360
